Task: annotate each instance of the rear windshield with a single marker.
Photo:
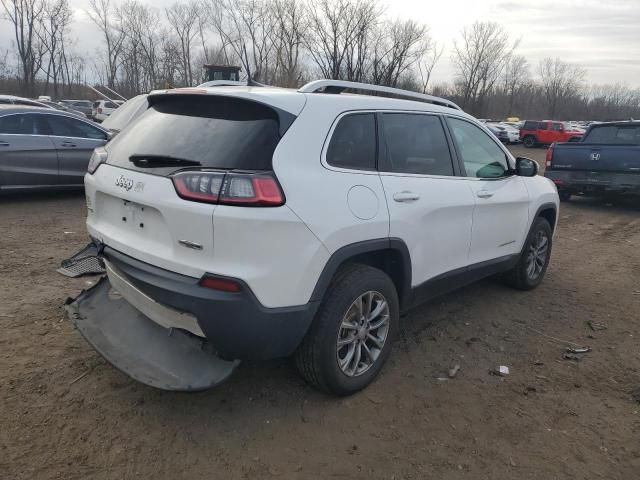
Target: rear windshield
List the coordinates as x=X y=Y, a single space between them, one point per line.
x=614 y=135
x=126 y=113
x=207 y=131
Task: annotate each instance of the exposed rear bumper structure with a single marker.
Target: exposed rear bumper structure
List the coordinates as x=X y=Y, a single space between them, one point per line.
x=165 y=330
x=169 y=359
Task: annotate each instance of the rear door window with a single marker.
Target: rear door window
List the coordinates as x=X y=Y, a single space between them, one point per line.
x=353 y=143
x=22 y=124
x=61 y=126
x=416 y=144
x=200 y=130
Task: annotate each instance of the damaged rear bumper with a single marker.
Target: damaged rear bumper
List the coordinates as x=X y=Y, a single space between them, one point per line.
x=169 y=359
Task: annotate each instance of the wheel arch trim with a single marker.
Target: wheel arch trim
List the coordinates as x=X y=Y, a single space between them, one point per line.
x=543 y=208
x=353 y=250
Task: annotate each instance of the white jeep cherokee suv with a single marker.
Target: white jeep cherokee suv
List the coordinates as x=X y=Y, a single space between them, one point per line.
x=255 y=222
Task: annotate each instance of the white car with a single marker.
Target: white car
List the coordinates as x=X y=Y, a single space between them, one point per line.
x=512 y=133
x=253 y=222
x=102 y=109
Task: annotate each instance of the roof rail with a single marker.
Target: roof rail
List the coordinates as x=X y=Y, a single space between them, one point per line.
x=337 y=86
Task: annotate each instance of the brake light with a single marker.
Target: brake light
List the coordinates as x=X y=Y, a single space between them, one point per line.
x=217 y=283
x=199 y=186
x=242 y=189
x=549 y=158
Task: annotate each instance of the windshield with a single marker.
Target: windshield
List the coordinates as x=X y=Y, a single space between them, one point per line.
x=214 y=131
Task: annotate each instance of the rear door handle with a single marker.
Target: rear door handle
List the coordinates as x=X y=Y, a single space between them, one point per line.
x=69 y=144
x=406 y=197
x=3 y=143
x=484 y=194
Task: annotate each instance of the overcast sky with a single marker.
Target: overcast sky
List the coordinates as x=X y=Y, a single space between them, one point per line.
x=602 y=36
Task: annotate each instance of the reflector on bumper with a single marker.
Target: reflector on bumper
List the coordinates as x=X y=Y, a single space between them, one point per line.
x=169 y=359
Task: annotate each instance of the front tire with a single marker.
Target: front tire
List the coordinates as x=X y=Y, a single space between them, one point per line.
x=534 y=259
x=529 y=141
x=350 y=338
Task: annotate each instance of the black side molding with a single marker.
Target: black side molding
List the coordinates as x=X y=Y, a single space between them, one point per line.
x=460 y=277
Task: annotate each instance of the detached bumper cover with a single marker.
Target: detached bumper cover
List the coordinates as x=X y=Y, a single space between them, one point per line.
x=168 y=359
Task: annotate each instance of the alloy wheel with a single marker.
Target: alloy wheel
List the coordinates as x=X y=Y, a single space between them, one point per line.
x=537 y=255
x=363 y=333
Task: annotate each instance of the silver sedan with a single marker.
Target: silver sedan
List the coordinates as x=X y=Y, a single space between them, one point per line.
x=42 y=148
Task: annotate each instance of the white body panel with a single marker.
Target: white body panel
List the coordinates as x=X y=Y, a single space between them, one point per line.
x=304 y=175
x=436 y=226
x=500 y=218
x=280 y=252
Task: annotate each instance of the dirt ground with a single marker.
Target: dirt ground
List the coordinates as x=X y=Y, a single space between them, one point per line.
x=65 y=413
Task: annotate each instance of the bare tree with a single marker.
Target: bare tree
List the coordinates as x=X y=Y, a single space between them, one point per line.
x=516 y=74
x=103 y=15
x=480 y=57
x=338 y=34
x=560 y=81
x=183 y=19
x=53 y=34
x=290 y=23
x=141 y=26
x=399 y=46
x=26 y=17
x=5 y=69
x=427 y=63
x=246 y=27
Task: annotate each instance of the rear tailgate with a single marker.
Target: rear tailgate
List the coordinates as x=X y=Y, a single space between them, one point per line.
x=596 y=158
x=133 y=204
x=141 y=215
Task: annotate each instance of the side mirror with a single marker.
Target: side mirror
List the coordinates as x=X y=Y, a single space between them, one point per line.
x=525 y=167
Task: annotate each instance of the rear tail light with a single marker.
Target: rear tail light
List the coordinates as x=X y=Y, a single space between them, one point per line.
x=98 y=157
x=244 y=189
x=549 y=158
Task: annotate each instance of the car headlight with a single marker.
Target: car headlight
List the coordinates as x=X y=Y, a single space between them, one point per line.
x=98 y=158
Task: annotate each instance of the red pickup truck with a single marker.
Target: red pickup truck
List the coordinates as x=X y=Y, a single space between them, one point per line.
x=535 y=133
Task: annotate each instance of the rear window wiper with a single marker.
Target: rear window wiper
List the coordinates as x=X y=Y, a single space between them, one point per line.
x=158 y=161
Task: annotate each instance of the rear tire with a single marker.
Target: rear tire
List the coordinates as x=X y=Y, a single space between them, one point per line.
x=534 y=259
x=328 y=357
x=564 y=195
x=529 y=141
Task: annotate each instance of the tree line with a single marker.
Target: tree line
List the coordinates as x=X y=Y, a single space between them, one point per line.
x=286 y=43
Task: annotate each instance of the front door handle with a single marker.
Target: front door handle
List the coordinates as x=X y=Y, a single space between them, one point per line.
x=406 y=196
x=3 y=143
x=484 y=194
